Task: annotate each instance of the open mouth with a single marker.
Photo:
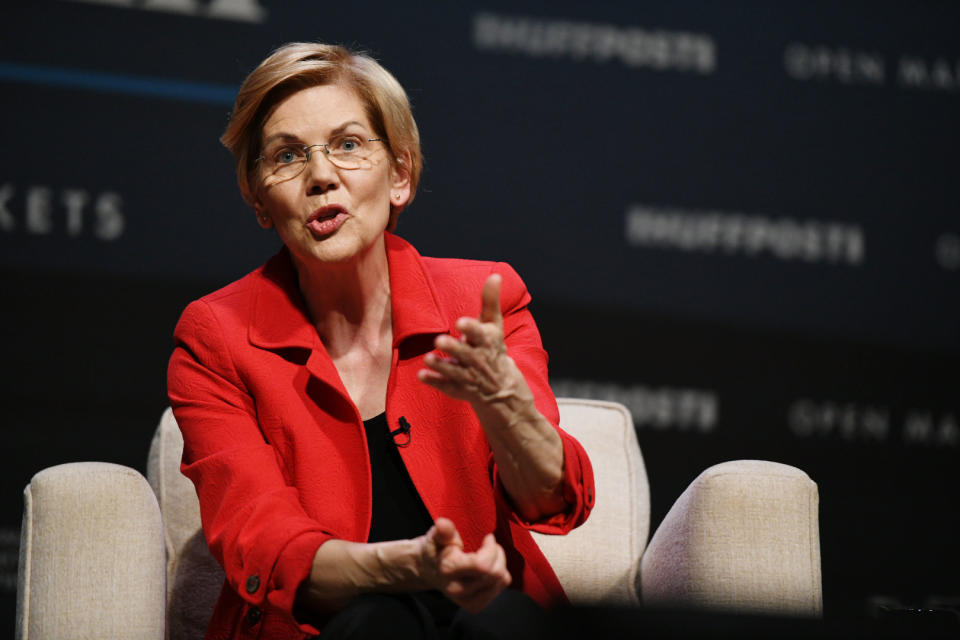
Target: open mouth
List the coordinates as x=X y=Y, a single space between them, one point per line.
x=326 y=220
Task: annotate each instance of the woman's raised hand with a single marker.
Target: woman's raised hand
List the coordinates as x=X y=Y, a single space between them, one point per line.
x=476 y=368
x=472 y=580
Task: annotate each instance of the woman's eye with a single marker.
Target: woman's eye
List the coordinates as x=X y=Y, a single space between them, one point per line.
x=286 y=156
x=349 y=145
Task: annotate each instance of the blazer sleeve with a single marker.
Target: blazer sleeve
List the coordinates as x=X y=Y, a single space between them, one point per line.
x=526 y=348
x=252 y=519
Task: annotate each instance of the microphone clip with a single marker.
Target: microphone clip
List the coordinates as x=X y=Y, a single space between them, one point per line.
x=403 y=432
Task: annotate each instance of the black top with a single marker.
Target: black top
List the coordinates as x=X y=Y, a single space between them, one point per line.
x=398 y=511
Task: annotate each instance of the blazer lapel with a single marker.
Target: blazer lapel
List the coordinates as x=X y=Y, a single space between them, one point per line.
x=415 y=305
x=279 y=319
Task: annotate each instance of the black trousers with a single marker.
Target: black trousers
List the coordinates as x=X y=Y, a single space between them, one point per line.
x=429 y=616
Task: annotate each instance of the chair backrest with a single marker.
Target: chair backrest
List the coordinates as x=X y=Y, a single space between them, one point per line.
x=194 y=578
x=597 y=562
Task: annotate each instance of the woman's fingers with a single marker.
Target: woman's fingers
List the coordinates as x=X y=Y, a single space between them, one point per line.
x=475 y=591
x=441 y=540
x=490 y=300
x=481 y=588
x=450 y=367
x=473 y=367
x=471 y=579
x=446 y=534
x=440 y=382
x=480 y=374
x=463 y=353
x=489 y=553
x=480 y=334
x=488 y=560
x=479 y=382
x=457 y=564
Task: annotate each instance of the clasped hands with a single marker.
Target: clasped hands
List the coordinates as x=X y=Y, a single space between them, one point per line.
x=471 y=579
x=436 y=560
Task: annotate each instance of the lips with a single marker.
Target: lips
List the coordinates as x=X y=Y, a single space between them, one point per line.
x=326 y=220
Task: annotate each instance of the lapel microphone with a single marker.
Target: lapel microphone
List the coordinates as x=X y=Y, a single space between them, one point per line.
x=403 y=432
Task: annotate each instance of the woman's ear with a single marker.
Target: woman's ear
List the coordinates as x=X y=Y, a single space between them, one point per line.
x=400 y=180
x=252 y=198
x=263 y=218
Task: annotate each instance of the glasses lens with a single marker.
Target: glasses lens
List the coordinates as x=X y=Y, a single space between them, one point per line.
x=285 y=162
x=351 y=152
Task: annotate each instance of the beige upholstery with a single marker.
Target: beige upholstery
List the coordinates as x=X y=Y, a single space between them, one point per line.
x=91 y=556
x=598 y=561
x=194 y=578
x=744 y=536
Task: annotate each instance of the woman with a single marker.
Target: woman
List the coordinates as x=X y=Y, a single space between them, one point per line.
x=367 y=429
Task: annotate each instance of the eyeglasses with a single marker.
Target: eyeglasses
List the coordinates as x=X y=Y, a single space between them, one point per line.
x=347 y=152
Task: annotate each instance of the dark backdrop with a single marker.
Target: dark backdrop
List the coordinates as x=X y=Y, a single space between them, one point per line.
x=738 y=218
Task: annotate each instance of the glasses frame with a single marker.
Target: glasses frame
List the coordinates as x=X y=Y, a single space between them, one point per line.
x=307 y=150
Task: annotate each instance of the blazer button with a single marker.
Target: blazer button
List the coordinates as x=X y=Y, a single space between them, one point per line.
x=253 y=616
x=253 y=583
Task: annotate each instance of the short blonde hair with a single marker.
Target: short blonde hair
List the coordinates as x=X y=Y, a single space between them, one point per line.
x=300 y=65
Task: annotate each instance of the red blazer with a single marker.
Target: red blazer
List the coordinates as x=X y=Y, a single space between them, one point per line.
x=277 y=451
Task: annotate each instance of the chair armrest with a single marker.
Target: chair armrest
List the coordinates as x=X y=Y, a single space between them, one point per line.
x=597 y=563
x=91 y=555
x=744 y=536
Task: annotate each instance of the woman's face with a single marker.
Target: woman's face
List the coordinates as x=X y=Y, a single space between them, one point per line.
x=326 y=213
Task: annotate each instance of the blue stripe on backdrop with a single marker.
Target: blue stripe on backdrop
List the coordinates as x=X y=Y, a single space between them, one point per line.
x=182 y=90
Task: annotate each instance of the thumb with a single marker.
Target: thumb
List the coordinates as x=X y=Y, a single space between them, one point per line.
x=445 y=534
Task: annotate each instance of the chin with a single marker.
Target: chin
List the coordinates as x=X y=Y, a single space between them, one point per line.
x=338 y=248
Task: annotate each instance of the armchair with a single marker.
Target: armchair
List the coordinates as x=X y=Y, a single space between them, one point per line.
x=104 y=553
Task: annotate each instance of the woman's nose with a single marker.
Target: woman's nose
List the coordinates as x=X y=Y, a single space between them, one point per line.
x=321 y=174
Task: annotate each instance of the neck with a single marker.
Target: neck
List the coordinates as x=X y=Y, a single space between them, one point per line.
x=349 y=302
